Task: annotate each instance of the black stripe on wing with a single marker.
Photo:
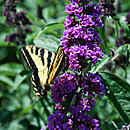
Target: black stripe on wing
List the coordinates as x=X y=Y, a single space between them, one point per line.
x=42 y=55
x=28 y=59
x=49 y=59
x=39 y=91
x=36 y=51
x=57 y=65
x=32 y=49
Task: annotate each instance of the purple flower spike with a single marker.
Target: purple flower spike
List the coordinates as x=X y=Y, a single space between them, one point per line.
x=75 y=89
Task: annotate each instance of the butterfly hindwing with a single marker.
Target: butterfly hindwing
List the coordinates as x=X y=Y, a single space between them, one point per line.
x=40 y=88
x=44 y=65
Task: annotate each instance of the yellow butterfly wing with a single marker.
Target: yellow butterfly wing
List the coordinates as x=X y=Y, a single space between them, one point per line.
x=56 y=65
x=39 y=60
x=44 y=64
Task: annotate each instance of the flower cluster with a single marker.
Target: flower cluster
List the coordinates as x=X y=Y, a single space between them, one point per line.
x=10 y=10
x=64 y=85
x=67 y=84
x=107 y=7
x=78 y=56
x=17 y=20
x=75 y=92
x=77 y=118
x=57 y=122
x=92 y=85
x=81 y=120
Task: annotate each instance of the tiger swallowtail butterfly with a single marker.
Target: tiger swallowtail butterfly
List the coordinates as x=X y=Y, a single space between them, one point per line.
x=44 y=64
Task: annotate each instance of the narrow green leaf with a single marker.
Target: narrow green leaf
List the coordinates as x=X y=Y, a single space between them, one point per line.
x=117 y=30
x=123 y=25
x=6 y=80
x=25 y=110
x=103 y=36
x=120 y=51
x=114 y=124
x=118 y=91
x=98 y=66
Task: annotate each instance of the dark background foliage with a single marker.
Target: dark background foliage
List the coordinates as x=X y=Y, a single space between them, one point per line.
x=18 y=109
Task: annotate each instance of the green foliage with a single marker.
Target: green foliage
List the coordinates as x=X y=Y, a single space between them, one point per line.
x=118 y=92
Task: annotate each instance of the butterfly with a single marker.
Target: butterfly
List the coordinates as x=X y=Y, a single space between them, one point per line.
x=44 y=64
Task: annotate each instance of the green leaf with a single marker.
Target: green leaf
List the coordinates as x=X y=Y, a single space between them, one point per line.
x=8 y=54
x=117 y=30
x=123 y=25
x=19 y=79
x=6 y=116
x=3 y=53
x=100 y=64
x=3 y=27
x=6 y=80
x=122 y=49
x=103 y=36
x=118 y=91
x=10 y=69
x=66 y=2
x=50 y=27
x=47 y=41
x=25 y=110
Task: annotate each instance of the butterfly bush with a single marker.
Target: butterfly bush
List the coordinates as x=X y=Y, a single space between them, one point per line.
x=75 y=91
x=18 y=20
x=122 y=40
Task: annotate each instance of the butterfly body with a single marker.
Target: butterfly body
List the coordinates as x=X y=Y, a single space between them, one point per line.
x=44 y=64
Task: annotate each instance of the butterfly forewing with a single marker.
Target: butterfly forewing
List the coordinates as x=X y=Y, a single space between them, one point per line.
x=56 y=65
x=37 y=58
x=44 y=64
